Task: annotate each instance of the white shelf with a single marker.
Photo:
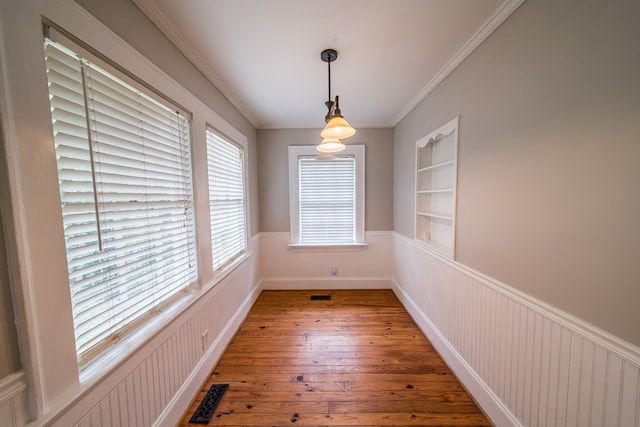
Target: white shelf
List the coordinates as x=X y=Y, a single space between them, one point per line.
x=437 y=166
x=436 y=172
x=441 y=190
x=436 y=215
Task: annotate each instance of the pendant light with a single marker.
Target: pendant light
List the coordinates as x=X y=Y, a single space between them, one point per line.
x=329 y=145
x=336 y=126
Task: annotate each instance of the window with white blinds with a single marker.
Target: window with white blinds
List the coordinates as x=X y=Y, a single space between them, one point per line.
x=326 y=196
x=226 y=200
x=124 y=169
x=327 y=200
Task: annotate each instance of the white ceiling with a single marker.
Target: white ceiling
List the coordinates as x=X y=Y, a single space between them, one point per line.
x=264 y=55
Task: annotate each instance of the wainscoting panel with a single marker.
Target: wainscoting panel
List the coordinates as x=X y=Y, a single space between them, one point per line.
x=284 y=267
x=525 y=362
x=156 y=385
x=13 y=400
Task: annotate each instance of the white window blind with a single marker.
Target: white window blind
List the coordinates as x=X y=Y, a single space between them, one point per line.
x=226 y=200
x=124 y=169
x=327 y=200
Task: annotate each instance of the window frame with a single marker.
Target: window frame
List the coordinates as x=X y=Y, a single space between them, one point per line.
x=297 y=151
x=222 y=268
x=115 y=80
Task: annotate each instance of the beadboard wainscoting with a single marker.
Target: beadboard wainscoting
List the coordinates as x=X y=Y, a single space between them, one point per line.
x=341 y=267
x=156 y=384
x=525 y=362
x=13 y=400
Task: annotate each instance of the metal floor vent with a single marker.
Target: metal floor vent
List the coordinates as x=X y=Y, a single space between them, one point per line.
x=320 y=297
x=208 y=406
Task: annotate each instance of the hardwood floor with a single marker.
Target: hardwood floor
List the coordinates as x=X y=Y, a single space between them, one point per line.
x=356 y=360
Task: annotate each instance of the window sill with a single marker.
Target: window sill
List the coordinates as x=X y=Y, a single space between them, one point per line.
x=99 y=367
x=220 y=274
x=338 y=247
x=112 y=358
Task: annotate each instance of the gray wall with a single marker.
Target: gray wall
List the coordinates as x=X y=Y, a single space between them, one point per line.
x=273 y=175
x=125 y=19
x=549 y=155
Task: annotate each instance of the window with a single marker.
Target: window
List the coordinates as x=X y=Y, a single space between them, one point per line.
x=326 y=196
x=124 y=169
x=226 y=200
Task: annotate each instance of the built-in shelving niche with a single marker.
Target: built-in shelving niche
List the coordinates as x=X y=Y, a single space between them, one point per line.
x=436 y=172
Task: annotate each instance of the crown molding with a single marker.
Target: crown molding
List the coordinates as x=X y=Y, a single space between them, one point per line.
x=167 y=28
x=485 y=31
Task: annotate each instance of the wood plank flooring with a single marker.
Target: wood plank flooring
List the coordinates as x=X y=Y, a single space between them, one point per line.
x=356 y=360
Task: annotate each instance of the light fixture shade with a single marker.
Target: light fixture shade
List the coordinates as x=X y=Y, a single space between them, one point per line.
x=330 y=145
x=337 y=128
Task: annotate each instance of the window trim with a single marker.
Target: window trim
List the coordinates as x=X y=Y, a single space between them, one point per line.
x=295 y=151
x=155 y=294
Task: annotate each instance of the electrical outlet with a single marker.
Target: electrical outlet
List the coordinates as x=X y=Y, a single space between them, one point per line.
x=205 y=339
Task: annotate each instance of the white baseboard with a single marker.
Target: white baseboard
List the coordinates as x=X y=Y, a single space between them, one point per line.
x=483 y=395
x=326 y=283
x=524 y=361
x=174 y=411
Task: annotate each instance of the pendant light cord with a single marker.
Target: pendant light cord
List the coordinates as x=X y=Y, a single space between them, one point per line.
x=329 y=78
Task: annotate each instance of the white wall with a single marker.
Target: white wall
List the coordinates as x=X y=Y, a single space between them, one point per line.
x=283 y=267
x=36 y=268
